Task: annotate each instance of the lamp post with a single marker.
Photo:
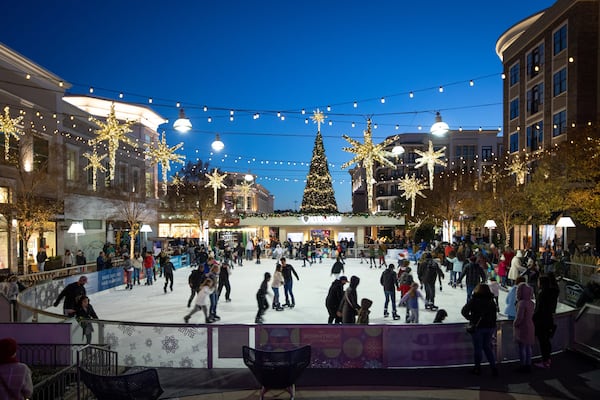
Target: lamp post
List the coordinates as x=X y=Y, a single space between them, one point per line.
x=490 y=224
x=77 y=229
x=145 y=229
x=565 y=223
x=182 y=124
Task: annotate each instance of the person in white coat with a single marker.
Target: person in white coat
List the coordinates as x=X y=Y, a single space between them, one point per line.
x=203 y=301
x=516 y=267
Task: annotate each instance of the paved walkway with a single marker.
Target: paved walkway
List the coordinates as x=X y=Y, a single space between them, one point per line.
x=572 y=376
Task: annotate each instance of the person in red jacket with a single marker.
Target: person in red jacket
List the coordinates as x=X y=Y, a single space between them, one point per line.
x=148 y=266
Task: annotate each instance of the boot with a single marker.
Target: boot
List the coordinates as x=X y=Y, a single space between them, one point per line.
x=395 y=316
x=386 y=314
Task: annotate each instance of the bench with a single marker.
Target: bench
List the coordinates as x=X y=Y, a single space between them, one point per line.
x=277 y=369
x=139 y=385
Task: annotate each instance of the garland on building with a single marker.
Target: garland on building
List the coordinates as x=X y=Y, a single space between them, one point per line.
x=319 y=196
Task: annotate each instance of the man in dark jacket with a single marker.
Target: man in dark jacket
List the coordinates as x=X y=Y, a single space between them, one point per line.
x=473 y=275
x=168 y=269
x=287 y=270
x=389 y=281
x=194 y=280
x=431 y=273
x=334 y=299
x=72 y=293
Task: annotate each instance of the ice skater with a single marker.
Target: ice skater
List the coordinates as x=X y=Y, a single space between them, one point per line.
x=261 y=298
x=202 y=301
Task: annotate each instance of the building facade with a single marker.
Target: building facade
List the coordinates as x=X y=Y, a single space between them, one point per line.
x=551 y=69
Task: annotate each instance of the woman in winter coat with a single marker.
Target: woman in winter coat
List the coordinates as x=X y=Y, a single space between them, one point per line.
x=516 y=267
x=349 y=306
x=543 y=316
x=457 y=268
x=277 y=282
x=481 y=313
x=502 y=271
x=85 y=312
x=523 y=329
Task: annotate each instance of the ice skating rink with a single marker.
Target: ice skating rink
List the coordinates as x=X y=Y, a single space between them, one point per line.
x=151 y=304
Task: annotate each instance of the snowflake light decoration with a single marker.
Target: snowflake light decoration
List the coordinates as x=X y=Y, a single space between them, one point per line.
x=492 y=176
x=430 y=158
x=95 y=163
x=177 y=182
x=411 y=186
x=215 y=180
x=367 y=153
x=112 y=132
x=9 y=127
x=519 y=169
x=163 y=154
x=244 y=189
x=318 y=118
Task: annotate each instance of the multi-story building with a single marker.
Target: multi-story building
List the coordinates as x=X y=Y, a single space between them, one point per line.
x=44 y=164
x=465 y=149
x=551 y=70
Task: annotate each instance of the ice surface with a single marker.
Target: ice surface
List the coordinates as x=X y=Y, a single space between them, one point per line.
x=151 y=304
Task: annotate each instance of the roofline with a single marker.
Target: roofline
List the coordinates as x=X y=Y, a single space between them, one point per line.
x=514 y=32
x=14 y=58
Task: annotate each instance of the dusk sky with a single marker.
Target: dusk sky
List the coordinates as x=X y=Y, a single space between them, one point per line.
x=267 y=57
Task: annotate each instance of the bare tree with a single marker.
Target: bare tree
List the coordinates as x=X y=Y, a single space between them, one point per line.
x=133 y=212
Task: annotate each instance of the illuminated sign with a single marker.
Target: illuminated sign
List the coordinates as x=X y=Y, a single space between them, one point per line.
x=321 y=219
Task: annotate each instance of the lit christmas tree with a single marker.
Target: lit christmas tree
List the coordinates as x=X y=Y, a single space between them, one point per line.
x=318 y=193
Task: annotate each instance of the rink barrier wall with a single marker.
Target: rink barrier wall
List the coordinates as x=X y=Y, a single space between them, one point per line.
x=333 y=346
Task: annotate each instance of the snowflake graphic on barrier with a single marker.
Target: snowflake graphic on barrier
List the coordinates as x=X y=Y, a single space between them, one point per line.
x=195 y=348
x=132 y=346
x=129 y=360
x=147 y=358
x=186 y=362
x=111 y=340
x=168 y=364
x=157 y=329
x=170 y=344
x=148 y=342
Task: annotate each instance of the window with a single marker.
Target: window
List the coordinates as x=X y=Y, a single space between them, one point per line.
x=149 y=184
x=40 y=154
x=560 y=39
x=136 y=179
x=411 y=157
x=559 y=123
x=121 y=177
x=466 y=152
x=486 y=153
x=92 y=224
x=5 y=197
x=535 y=99
x=535 y=136
x=71 y=165
x=514 y=142
x=514 y=74
x=514 y=108
x=560 y=82
x=535 y=61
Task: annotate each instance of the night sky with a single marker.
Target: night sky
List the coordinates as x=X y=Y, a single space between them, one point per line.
x=270 y=57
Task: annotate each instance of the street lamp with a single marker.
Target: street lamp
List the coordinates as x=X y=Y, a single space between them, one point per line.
x=565 y=223
x=182 y=124
x=217 y=145
x=490 y=224
x=77 y=229
x=145 y=229
x=439 y=128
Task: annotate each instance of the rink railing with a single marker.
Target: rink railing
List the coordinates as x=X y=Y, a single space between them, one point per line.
x=341 y=346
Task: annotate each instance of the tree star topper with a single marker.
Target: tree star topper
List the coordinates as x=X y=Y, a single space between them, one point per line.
x=412 y=188
x=368 y=153
x=163 y=154
x=95 y=163
x=9 y=126
x=318 y=118
x=430 y=158
x=113 y=133
x=215 y=180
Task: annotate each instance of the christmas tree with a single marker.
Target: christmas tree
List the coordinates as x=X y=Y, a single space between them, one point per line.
x=318 y=193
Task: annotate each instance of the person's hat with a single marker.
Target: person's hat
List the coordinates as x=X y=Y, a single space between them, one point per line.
x=8 y=350
x=343 y=278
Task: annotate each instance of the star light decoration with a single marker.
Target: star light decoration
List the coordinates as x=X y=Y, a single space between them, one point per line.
x=163 y=154
x=112 y=132
x=215 y=180
x=9 y=126
x=318 y=118
x=244 y=189
x=95 y=163
x=411 y=186
x=368 y=153
x=519 y=169
x=492 y=176
x=430 y=158
x=177 y=182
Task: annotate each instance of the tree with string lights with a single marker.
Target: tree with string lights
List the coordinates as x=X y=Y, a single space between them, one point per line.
x=319 y=196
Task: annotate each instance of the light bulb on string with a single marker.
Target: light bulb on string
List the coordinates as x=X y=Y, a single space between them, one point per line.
x=471 y=83
x=382 y=100
x=411 y=95
x=205 y=109
x=355 y=104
